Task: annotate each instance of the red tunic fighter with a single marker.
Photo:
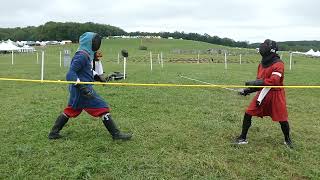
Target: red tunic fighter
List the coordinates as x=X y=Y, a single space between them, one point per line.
x=268 y=101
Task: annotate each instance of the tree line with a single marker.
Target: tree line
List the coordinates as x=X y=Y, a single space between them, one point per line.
x=302 y=46
x=71 y=31
x=58 y=31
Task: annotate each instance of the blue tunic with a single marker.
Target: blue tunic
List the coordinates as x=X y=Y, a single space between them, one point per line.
x=81 y=68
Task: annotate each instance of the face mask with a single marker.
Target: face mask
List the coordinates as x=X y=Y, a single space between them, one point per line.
x=264 y=49
x=96 y=42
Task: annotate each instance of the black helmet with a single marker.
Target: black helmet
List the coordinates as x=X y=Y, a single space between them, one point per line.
x=96 y=42
x=268 y=47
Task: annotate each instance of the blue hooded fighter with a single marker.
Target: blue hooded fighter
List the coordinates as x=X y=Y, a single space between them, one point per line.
x=83 y=96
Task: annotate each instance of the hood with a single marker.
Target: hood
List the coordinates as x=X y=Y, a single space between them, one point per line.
x=85 y=42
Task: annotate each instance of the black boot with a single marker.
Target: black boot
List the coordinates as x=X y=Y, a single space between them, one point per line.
x=113 y=130
x=286 y=133
x=58 y=125
x=242 y=139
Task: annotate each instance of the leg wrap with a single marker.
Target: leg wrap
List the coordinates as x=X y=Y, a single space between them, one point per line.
x=245 y=125
x=285 y=129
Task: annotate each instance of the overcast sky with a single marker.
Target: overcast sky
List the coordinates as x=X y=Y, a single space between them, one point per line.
x=241 y=20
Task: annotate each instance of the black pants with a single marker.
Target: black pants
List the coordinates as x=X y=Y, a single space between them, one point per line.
x=246 y=124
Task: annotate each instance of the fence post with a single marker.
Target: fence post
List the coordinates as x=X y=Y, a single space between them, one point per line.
x=60 y=58
x=42 y=65
x=151 y=60
x=124 y=67
x=225 y=61
x=290 y=61
x=12 y=57
x=161 y=60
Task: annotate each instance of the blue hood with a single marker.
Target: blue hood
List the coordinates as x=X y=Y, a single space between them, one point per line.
x=85 y=41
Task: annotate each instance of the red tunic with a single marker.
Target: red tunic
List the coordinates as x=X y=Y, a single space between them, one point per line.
x=274 y=104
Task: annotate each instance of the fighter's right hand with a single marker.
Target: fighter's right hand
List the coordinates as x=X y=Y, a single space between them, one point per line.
x=85 y=91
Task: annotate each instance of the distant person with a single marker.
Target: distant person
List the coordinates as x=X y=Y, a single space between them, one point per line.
x=98 y=73
x=268 y=101
x=83 y=96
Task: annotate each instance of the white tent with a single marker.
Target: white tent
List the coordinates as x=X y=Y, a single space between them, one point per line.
x=26 y=49
x=21 y=43
x=317 y=53
x=12 y=46
x=312 y=53
x=4 y=46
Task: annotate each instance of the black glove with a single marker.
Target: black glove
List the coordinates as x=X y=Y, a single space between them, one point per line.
x=258 y=82
x=100 y=78
x=85 y=91
x=124 y=53
x=247 y=91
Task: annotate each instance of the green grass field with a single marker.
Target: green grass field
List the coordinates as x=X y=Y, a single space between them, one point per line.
x=179 y=133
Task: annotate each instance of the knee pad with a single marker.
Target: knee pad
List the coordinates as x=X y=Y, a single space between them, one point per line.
x=106 y=117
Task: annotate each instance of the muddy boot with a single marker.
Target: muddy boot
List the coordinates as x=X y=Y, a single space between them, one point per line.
x=58 y=125
x=113 y=130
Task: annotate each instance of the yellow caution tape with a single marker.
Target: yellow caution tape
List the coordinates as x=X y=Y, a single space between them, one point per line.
x=154 y=85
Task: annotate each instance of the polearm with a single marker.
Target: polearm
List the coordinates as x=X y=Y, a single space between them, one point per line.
x=203 y=82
